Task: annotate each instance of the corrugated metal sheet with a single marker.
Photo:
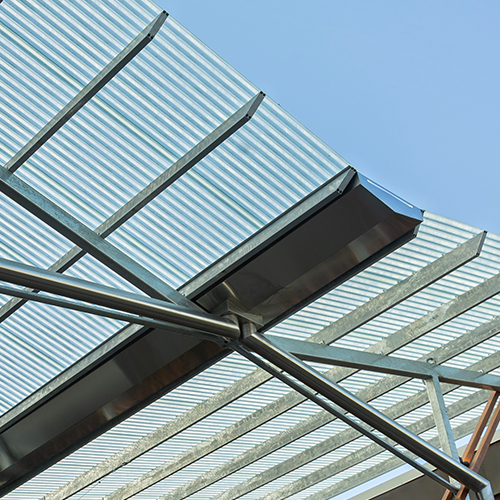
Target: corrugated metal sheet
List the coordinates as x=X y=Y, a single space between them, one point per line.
x=173 y=94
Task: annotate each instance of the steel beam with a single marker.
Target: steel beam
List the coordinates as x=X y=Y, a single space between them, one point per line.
x=77 y=232
x=432 y=272
x=362 y=360
x=74 y=288
x=364 y=453
x=152 y=190
x=350 y=403
x=182 y=165
x=89 y=91
x=402 y=291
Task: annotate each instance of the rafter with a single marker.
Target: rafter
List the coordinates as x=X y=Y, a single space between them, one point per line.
x=86 y=94
x=434 y=271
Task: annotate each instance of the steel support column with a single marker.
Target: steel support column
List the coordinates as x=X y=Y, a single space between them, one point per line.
x=443 y=425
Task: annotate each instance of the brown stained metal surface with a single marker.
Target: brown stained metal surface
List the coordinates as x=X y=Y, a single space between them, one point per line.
x=484 y=445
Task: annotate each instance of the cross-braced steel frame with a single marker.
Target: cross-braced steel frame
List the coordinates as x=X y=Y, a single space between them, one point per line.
x=285 y=359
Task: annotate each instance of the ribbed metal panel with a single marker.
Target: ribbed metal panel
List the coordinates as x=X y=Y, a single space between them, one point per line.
x=165 y=101
x=436 y=235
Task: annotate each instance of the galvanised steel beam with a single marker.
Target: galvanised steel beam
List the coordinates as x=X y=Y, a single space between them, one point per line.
x=338 y=414
x=370 y=451
x=406 y=288
x=77 y=232
x=278 y=407
x=152 y=190
x=48 y=281
x=400 y=292
x=89 y=91
x=362 y=360
x=337 y=441
x=350 y=403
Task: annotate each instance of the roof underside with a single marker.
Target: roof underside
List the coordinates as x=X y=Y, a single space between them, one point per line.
x=264 y=442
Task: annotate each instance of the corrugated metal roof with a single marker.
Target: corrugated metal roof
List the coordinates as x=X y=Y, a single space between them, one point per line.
x=166 y=100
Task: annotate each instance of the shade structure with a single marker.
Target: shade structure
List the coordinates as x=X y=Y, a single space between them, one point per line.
x=318 y=243
x=103 y=157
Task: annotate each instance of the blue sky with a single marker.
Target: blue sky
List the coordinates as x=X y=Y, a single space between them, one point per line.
x=407 y=92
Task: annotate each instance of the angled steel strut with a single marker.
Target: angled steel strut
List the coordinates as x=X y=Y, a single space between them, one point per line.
x=87 y=291
x=350 y=403
x=338 y=414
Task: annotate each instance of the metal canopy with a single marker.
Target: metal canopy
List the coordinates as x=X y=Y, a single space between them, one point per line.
x=334 y=233
x=230 y=431
x=355 y=228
